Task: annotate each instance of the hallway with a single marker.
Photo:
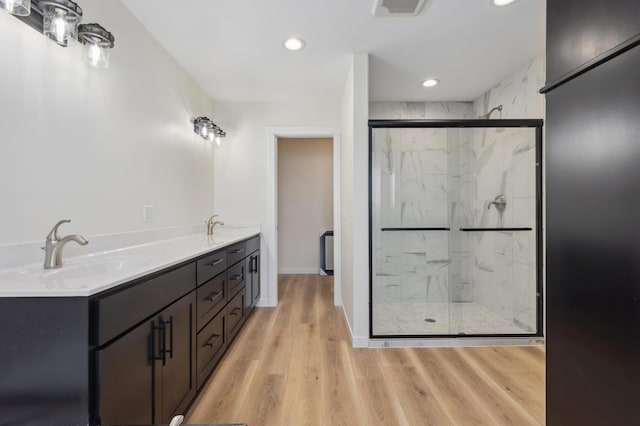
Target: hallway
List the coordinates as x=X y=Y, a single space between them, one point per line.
x=294 y=365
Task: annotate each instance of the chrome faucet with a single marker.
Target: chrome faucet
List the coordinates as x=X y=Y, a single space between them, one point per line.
x=55 y=244
x=500 y=202
x=211 y=223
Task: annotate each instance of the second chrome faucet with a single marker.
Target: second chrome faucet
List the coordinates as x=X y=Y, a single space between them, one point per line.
x=54 y=245
x=212 y=223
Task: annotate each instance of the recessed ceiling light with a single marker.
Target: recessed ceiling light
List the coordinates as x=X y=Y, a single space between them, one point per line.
x=502 y=2
x=430 y=82
x=294 y=43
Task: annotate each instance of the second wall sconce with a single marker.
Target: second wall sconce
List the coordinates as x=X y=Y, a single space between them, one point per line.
x=208 y=130
x=98 y=43
x=60 y=21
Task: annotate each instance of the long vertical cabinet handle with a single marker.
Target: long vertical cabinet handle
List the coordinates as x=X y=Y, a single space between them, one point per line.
x=170 y=350
x=162 y=342
x=257 y=264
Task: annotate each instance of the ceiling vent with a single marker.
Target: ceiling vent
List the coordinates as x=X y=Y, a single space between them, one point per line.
x=398 y=7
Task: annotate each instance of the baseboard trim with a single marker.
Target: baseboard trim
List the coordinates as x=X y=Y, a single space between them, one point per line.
x=356 y=342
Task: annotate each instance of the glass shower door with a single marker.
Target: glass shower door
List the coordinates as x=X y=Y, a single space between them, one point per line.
x=410 y=265
x=495 y=232
x=454 y=230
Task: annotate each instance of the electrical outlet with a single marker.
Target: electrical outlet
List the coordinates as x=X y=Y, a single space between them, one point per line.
x=147 y=213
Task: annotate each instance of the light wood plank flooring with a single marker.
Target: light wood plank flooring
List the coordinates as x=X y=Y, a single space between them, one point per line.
x=294 y=365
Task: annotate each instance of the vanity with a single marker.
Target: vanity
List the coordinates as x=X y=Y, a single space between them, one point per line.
x=131 y=347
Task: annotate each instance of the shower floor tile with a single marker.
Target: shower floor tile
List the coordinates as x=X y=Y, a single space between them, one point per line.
x=439 y=318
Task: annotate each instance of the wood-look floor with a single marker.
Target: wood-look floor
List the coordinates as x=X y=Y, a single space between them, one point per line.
x=294 y=365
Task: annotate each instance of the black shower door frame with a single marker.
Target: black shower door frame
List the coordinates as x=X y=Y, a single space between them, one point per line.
x=479 y=123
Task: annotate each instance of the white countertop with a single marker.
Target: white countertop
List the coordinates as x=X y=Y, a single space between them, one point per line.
x=90 y=274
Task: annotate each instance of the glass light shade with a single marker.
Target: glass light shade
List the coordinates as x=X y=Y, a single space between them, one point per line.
x=16 y=7
x=60 y=21
x=201 y=127
x=96 y=55
x=98 y=43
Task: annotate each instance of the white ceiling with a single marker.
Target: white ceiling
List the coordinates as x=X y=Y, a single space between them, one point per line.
x=233 y=48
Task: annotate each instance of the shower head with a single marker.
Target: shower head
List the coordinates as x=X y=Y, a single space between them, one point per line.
x=488 y=115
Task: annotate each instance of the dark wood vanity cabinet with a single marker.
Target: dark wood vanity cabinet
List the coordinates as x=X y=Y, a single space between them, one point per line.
x=148 y=375
x=134 y=354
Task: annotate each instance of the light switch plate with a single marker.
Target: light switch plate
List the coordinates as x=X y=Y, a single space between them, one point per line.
x=147 y=213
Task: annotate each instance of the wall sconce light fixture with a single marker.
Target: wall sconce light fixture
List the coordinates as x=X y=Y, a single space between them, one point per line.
x=208 y=130
x=60 y=21
x=98 y=43
x=16 y=7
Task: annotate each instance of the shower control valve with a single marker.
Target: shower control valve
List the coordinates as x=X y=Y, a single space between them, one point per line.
x=500 y=202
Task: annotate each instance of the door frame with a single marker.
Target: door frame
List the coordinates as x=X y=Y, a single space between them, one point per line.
x=271 y=228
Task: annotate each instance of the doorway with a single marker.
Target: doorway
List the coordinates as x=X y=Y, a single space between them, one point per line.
x=305 y=202
x=271 y=227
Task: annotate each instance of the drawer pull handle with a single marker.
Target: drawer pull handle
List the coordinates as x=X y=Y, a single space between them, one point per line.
x=237 y=277
x=212 y=340
x=215 y=262
x=235 y=311
x=237 y=251
x=213 y=296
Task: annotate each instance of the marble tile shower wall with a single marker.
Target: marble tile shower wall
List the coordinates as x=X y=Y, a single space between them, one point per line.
x=501 y=265
x=504 y=264
x=411 y=184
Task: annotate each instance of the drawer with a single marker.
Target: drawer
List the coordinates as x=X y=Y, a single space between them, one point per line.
x=253 y=245
x=210 y=266
x=235 y=315
x=236 y=253
x=119 y=311
x=211 y=297
x=235 y=278
x=211 y=343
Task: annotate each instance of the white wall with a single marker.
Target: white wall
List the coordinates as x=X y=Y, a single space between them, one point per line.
x=305 y=202
x=241 y=162
x=95 y=145
x=347 y=111
x=355 y=180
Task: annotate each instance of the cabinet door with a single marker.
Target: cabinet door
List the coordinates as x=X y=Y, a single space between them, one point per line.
x=175 y=372
x=125 y=377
